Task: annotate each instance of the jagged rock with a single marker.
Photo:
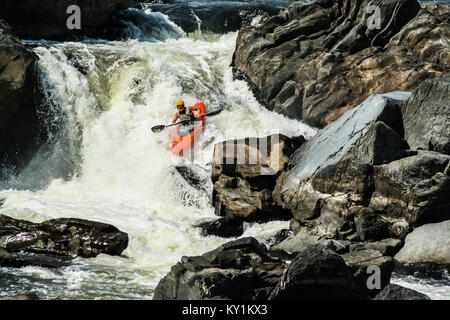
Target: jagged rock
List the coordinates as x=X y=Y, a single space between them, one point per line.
x=244 y=173
x=279 y=237
x=17 y=105
x=426 y=248
x=396 y=292
x=240 y=269
x=318 y=59
x=65 y=237
x=47 y=19
x=408 y=192
x=360 y=261
x=426 y=116
x=223 y=227
x=317 y=274
x=358 y=180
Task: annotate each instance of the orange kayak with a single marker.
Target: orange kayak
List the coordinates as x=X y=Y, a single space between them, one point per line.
x=183 y=139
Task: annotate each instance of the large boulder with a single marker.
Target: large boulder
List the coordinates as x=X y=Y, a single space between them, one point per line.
x=244 y=174
x=396 y=292
x=318 y=59
x=240 y=269
x=361 y=264
x=426 y=248
x=47 y=19
x=244 y=269
x=17 y=102
x=317 y=274
x=426 y=116
x=358 y=180
x=66 y=237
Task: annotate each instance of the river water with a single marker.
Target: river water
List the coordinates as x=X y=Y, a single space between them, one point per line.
x=102 y=162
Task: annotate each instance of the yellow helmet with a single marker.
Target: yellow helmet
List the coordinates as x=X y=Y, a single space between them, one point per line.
x=180 y=103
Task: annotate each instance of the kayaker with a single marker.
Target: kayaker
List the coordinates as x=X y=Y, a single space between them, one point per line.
x=182 y=115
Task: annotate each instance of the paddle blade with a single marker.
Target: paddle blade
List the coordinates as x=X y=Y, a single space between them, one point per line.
x=158 y=128
x=213 y=113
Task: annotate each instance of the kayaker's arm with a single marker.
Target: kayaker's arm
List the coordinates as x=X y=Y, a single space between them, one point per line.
x=175 y=118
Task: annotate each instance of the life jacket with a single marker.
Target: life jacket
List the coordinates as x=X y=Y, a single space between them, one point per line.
x=184 y=117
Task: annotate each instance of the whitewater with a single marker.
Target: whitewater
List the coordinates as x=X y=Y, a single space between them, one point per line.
x=103 y=163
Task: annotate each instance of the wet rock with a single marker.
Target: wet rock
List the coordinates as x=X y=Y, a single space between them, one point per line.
x=316 y=60
x=28 y=296
x=66 y=237
x=240 y=269
x=426 y=116
x=396 y=292
x=194 y=175
x=426 y=248
x=316 y=274
x=361 y=263
x=47 y=19
x=223 y=227
x=17 y=102
x=279 y=237
x=357 y=180
x=244 y=173
x=216 y=16
x=23 y=259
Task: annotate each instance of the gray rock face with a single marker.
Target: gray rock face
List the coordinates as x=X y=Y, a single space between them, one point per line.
x=244 y=175
x=65 y=237
x=302 y=241
x=357 y=178
x=241 y=269
x=46 y=19
x=427 y=247
x=317 y=274
x=318 y=59
x=17 y=105
x=396 y=292
x=426 y=116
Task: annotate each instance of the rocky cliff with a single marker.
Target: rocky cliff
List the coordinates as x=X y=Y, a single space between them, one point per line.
x=361 y=178
x=44 y=19
x=17 y=99
x=318 y=59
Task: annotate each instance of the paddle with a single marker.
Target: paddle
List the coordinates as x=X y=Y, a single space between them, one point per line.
x=162 y=127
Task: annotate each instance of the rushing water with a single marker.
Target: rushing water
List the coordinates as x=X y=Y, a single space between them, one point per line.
x=103 y=163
